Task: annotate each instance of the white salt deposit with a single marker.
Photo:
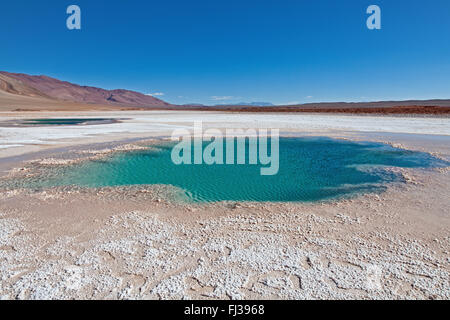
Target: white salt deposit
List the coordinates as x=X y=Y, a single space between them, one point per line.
x=164 y=122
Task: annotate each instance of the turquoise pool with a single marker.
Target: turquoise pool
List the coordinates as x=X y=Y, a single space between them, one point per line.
x=310 y=169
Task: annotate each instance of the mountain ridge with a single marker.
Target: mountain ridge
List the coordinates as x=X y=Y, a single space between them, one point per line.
x=22 y=92
x=52 y=88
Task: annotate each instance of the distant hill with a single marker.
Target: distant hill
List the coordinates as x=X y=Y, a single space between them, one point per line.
x=22 y=92
x=429 y=107
x=54 y=89
x=374 y=104
x=253 y=104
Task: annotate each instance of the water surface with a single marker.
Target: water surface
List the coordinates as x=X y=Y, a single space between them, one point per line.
x=310 y=169
x=65 y=121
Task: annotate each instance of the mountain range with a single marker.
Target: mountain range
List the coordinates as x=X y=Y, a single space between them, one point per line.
x=252 y=104
x=42 y=87
x=22 y=92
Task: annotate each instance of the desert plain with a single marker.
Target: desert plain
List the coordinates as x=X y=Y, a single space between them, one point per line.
x=135 y=242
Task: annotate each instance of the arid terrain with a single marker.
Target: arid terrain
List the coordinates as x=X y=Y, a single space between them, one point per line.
x=23 y=92
x=137 y=243
x=225 y=150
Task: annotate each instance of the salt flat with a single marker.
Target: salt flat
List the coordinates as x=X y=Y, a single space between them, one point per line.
x=134 y=243
x=156 y=123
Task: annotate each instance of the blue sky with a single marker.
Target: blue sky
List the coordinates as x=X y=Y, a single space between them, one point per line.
x=230 y=51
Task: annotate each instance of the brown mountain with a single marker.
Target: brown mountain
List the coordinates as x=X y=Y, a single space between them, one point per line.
x=44 y=87
x=14 y=86
x=21 y=92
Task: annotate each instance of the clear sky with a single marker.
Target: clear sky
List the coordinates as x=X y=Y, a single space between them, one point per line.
x=228 y=51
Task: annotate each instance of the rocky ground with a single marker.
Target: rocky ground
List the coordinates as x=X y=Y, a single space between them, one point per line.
x=136 y=243
x=132 y=243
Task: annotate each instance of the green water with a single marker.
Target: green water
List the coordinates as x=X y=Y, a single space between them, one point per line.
x=310 y=169
x=63 y=121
